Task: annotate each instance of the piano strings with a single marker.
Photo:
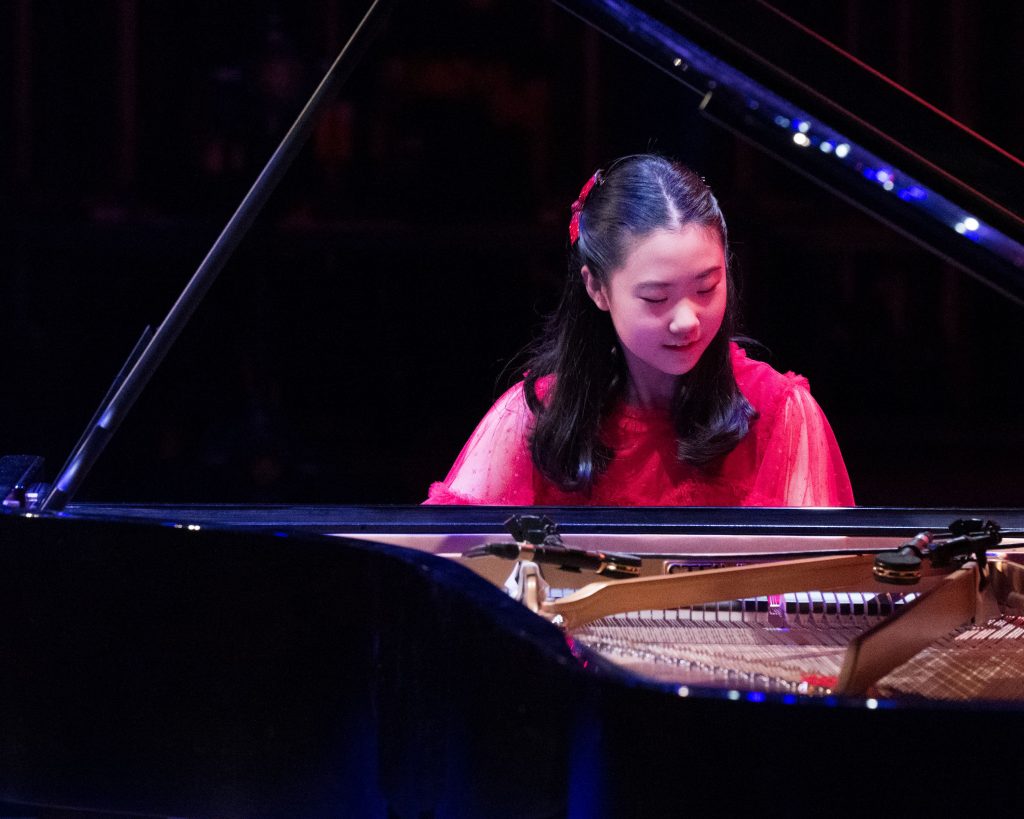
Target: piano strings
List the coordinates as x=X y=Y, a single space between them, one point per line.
x=954 y=638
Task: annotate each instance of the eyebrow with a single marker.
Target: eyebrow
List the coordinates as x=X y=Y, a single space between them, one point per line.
x=702 y=275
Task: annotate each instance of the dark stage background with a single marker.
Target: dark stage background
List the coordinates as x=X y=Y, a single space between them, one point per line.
x=376 y=309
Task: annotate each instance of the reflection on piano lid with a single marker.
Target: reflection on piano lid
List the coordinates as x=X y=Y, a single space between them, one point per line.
x=789 y=92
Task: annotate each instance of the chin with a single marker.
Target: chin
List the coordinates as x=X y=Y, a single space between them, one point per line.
x=681 y=363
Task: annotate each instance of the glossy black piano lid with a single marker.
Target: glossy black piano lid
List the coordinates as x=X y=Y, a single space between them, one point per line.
x=198 y=673
x=790 y=92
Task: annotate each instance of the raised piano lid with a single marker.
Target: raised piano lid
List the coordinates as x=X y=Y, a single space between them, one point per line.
x=784 y=88
x=763 y=75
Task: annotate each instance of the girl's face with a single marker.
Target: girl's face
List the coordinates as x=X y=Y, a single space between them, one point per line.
x=666 y=302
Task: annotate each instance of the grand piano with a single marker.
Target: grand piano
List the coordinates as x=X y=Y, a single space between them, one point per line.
x=350 y=661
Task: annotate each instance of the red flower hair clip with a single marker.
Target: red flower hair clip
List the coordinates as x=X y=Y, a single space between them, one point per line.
x=577 y=206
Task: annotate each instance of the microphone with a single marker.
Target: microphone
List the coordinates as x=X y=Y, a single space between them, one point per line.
x=540 y=542
x=968 y=537
x=606 y=564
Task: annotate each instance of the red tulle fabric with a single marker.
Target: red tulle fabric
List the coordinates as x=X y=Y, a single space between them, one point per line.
x=788 y=458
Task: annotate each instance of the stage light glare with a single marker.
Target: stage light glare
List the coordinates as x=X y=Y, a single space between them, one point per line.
x=913 y=194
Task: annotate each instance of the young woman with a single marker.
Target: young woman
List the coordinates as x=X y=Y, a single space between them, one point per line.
x=636 y=395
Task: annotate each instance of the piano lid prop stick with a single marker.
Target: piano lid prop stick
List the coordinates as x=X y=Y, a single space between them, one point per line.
x=126 y=393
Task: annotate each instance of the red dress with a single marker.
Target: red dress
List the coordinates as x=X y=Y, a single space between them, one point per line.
x=788 y=458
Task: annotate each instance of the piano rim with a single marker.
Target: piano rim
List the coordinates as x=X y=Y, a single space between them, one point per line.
x=587 y=662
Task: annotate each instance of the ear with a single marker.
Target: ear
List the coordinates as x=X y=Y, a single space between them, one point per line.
x=594 y=288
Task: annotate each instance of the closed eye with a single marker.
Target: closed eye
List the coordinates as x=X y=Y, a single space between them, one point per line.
x=709 y=290
x=653 y=301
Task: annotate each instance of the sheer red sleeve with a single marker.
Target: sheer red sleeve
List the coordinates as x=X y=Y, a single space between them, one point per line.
x=802 y=465
x=494 y=466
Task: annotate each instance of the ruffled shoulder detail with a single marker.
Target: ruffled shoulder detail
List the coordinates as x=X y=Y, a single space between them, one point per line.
x=441 y=495
x=763 y=386
x=543 y=386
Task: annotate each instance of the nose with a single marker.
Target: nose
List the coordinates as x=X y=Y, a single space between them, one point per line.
x=684 y=321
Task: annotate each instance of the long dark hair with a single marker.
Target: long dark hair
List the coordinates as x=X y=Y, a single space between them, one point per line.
x=579 y=347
